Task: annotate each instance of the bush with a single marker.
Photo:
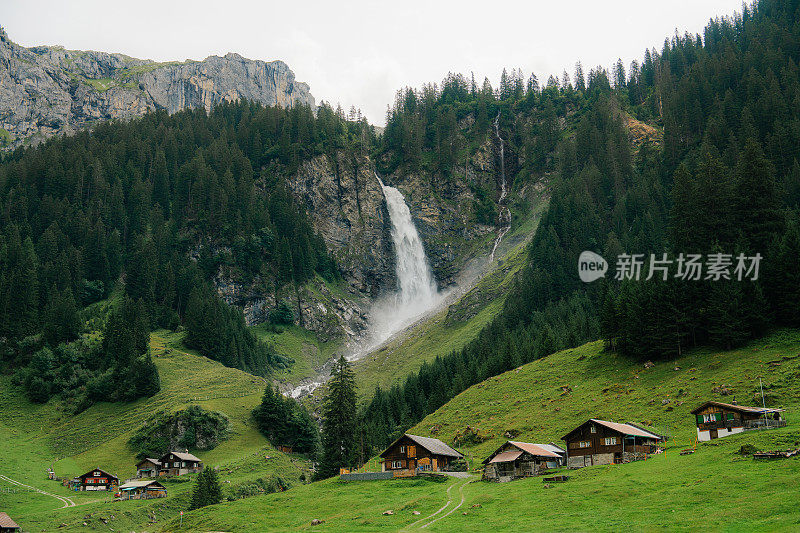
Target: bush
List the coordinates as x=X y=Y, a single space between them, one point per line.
x=282 y=314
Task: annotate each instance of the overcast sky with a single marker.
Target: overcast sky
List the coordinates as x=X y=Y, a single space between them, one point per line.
x=360 y=52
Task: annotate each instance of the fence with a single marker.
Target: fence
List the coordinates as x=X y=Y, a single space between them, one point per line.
x=366 y=476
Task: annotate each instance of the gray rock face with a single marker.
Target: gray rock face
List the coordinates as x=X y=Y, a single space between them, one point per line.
x=346 y=204
x=48 y=90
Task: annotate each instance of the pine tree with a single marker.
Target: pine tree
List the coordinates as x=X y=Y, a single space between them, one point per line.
x=338 y=421
x=61 y=323
x=207 y=490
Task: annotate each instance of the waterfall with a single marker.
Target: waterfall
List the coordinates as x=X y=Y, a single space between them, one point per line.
x=416 y=287
x=505 y=213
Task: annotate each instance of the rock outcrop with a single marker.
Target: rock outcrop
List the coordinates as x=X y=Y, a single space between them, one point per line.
x=46 y=90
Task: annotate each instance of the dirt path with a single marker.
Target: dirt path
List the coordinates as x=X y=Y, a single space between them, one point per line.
x=430 y=519
x=66 y=501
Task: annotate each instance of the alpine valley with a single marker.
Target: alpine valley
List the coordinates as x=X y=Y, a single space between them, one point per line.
x=202 y=267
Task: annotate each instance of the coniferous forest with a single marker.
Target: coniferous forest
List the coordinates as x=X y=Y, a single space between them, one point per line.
x=725 y=179
x=142 y=214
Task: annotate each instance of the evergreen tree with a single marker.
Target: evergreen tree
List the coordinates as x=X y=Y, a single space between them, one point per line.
x=338 y=421
x=207 y=490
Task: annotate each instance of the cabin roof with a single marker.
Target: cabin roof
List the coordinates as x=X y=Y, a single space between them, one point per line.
x=139 y=484
x=91 y=472
x=625 y=429
x=5 y=521
x=183 y=456
x=553 y=448
x=538 y=450
x=154 y=461
x=435 y=446
x=739 y=408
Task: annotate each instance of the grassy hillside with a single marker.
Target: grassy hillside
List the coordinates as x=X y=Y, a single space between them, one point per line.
x=43 y=436
x=705 y=490
x=545 y=399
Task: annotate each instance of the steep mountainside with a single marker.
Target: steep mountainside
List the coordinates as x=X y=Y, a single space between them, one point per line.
x=46 y=90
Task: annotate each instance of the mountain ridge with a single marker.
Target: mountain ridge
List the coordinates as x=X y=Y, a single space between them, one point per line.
x=49 y=90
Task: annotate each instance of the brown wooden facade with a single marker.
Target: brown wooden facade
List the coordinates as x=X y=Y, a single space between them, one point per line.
x=148 y=467
x=179 y=463
x=142 y=490
x=418 y=454
x=598 y=442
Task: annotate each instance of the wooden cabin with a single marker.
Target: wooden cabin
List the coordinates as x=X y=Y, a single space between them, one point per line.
x=97 y=479
x=718 y=419
x=148 y=467
x=179 y=463
x=414 y=454
x=599 y=442
x=142 y=490
x=7 y=525
x=516 y=459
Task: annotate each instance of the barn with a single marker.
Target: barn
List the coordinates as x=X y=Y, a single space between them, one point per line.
x=600 y=442
x=142 y=490
x=413 y=454
x=516 y=459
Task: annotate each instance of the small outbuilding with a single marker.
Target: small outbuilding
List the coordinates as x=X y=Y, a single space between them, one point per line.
x=413 y=454
x=7 y=525
x=717 y=419
x=142 y=490
x=516 y=459
x=148 y=467
x=97 y=479
x=179 y=463
x=600 y=442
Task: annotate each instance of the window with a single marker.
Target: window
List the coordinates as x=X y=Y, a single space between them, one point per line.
x=729 y=416
x=594 y=429
x=97 y=473
x=402 y=449
x=584 y=444
x=610 y=441
x=397 y=464
x=712 y=417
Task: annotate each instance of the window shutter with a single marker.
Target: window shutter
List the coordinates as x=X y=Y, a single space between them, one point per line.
x=730 y=416
x=718 y=416
x=699 y=419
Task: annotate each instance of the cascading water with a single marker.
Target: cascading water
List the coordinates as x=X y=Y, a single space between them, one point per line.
x=416 y=292
x=505 y=212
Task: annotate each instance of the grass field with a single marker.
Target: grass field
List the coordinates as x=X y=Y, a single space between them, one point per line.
x=715 y=488
x=39 y=436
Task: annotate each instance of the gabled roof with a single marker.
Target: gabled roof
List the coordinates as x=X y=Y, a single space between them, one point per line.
x=553 y=448
x=91 y=472
x=183 y=456
x=625 y=429
x=138 y=484
x=154 y=461
x=434 y=446
x=735 y=407
x=537 y=450
x=6 y=522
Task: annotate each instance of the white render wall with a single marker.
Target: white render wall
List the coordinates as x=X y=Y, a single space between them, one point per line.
x=705 y=435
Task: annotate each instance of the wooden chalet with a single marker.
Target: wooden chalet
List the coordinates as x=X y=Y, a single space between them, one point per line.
x=148 y=467
x=142 y=490
x=718 y=419
x=96 y=479
x=520 y=459
x=7 y=525
x=179 y=463
x=599 y=442
x=413 y=454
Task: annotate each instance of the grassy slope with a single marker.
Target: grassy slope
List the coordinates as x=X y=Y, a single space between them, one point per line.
x=715 y=488
x=42 y=435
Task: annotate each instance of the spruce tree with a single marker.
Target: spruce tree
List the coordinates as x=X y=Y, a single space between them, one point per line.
x=207 y=490
x=338 y=421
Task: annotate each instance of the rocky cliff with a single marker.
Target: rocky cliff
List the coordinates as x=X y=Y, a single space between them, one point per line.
x=47 y=90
